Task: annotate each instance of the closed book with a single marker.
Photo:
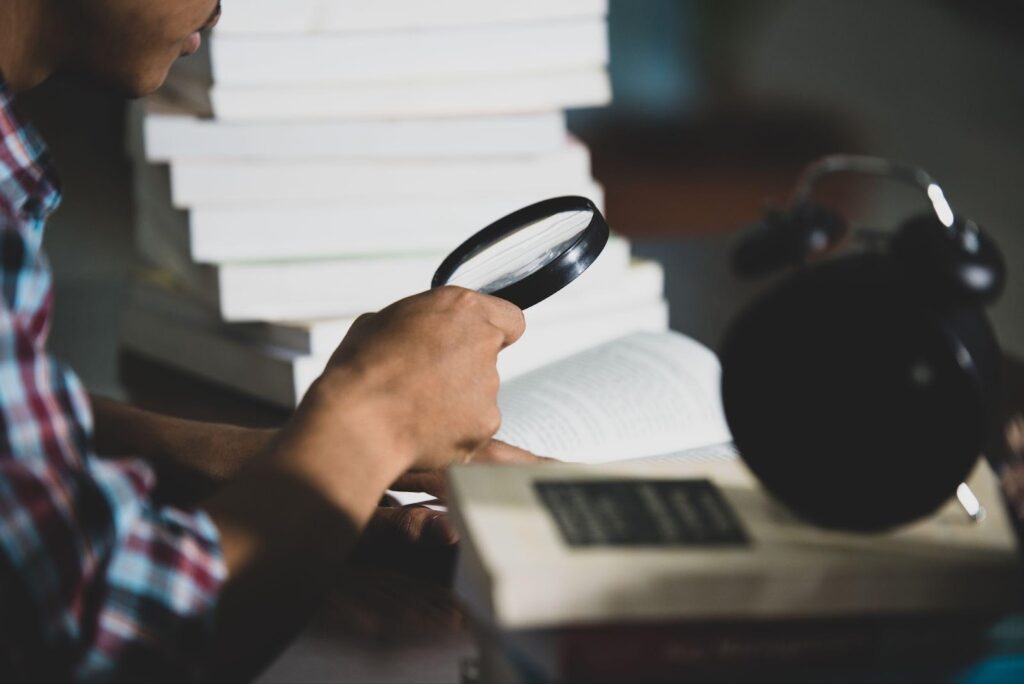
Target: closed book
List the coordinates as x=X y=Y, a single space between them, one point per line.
x=167 y=127
x=405 y=55
x=220 y=234
x=276 y=376
x=465 y=96
x=227 y=182
x=892 y=648
x=260 y=17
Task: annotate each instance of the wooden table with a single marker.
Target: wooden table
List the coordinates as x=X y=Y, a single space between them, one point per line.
x=381 y=625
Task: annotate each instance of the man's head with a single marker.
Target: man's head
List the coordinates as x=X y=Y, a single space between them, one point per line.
x=131 y=44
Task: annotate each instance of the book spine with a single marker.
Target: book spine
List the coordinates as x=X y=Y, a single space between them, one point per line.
x=764 y=651
x=256 y=17
x=220 y=235
x=164 y=137
x=221 y=183
x=459 y=97
x=408 y=55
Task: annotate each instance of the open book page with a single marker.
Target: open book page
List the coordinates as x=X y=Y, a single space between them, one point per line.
x=716 y=453
x=641 y=395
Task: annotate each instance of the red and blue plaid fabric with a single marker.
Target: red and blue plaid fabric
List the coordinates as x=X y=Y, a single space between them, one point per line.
x=96 y=582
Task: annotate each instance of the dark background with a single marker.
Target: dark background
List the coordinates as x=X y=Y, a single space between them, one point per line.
x=718 y=103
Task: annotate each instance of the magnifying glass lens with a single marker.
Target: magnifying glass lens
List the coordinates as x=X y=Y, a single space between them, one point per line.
x=522 y=252
x=530 y=254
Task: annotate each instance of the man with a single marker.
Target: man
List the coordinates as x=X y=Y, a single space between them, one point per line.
x=97 y=581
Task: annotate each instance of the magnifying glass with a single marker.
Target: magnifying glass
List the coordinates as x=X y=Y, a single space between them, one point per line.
x=530 y=254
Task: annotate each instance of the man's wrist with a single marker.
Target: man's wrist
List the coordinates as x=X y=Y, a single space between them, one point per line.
x=345 y=401
x=331 y=462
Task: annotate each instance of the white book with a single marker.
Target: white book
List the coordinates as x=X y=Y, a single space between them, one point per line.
x=317 y=289
x=646 y=395
x=170 y=129
x=225 y=182
x=216 y=234
x=588 y=297
x=277 y=376
x=488 y=51
x=471 y=96
x=235 y=356
x=553 y=339
x=316 y=16
x=518 y=570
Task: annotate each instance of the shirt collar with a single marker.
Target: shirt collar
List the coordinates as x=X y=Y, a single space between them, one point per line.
x=23 y=149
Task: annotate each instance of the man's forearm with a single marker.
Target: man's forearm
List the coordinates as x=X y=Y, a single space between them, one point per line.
x=291 y=517
x=287 y=522
x=214 y=451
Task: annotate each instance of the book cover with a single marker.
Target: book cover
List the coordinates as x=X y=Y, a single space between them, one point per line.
x=227 y=182
x=560 y=547
x=489 y=51
x=357 y=227
x=467 y=96
x=329 y=16
x=167 y=127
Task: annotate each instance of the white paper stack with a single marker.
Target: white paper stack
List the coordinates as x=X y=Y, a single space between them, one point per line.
x=322 y=157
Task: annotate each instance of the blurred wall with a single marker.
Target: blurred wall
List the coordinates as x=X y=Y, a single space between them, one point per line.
x=89 y=239
x=939 y=84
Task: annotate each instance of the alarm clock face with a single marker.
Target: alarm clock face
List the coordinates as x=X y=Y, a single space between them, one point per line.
x=856 y=406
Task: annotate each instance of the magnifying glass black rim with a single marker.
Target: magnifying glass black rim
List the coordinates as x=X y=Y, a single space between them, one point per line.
x=553 y=276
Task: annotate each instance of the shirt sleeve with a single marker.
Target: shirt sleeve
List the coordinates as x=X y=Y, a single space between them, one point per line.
x=96 y=582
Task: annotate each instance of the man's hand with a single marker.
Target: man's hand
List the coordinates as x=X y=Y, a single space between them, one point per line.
x=406 y=527
x=428 y=366
x=412 y=387
x=1013 y=471
x=402 y=531
x=435 y=483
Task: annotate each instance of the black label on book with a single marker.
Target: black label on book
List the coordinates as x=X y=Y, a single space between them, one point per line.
x=641 y=513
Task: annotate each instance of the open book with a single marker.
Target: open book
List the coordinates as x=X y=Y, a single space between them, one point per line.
x=652 y=396
x=643 y=395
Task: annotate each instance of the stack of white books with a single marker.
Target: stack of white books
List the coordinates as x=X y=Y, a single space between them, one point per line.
x=322 y=157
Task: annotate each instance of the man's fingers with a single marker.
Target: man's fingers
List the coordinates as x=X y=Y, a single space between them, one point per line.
x=410 y=525
x=1015 y=435
x=506 y=317
x=430 y=481
x=435 y=483
x=497 y=451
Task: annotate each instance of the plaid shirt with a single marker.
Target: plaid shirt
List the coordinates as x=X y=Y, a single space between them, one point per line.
x=96 y=582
